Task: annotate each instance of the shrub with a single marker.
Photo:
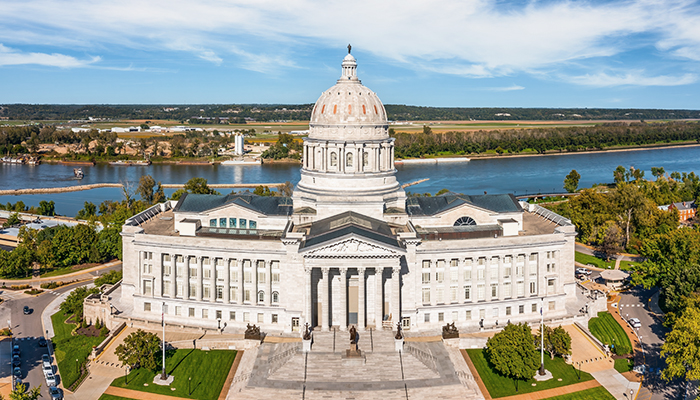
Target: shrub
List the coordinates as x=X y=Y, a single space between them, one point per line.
x=33 y=291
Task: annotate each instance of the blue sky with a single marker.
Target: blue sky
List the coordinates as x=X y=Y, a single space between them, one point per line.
x=472 y=53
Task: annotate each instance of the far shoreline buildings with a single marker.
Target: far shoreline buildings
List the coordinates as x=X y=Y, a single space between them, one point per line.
x=347 y=249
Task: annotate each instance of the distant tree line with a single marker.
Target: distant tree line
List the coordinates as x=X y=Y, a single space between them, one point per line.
x=541 y=140
x=239 y=113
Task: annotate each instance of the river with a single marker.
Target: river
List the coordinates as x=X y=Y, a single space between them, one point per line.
x=518 y=175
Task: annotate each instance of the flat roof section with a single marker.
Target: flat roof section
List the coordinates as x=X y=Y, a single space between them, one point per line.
x=162 y=224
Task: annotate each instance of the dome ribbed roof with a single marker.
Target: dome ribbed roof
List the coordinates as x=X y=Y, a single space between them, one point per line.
x=348 y=110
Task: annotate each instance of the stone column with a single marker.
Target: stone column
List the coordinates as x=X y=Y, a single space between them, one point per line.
x=325 y=310
x=395 y=295
x=309 y=299
x=361 y=299
x=212 y=280
x=343 y=299
x=199 y=278
x=254 y=277
x=241 y=280
x=227 y=281
x=268 y=285
x=378 y=297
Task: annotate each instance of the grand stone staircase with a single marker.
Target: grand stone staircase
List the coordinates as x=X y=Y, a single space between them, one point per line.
x=423 y=370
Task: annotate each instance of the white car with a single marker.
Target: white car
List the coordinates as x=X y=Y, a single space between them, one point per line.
x=48 y=369
x=46 y=360
x=583 y=271
x=634 y=323
x=50 y=379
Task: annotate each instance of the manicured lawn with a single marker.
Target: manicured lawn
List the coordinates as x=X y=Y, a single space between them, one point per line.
x=208 y=370
x=595 y=261
x=623 y=365
x=110 y=397
x=501 y=386
x=625 y=265
x=68 y=348
x=596 y=393
x=607 y=330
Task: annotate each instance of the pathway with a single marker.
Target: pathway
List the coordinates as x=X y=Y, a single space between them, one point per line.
x=83 y=274
x=135 y=394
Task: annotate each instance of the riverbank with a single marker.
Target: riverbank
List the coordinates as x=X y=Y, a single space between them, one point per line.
x=66 y=189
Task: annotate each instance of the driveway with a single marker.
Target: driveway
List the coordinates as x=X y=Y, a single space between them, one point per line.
x=635 y=304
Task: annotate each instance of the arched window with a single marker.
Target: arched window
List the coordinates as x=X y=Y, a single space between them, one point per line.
x=465 y=221
x=334 y=159
x=348 y=160
x=261 y=297
x=365 y=158
x=275 y=297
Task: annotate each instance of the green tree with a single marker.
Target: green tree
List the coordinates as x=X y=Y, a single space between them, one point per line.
x=139 y=350
x=512 y=352
x=571 y=181
x=73 y=304
x=681 y=349
x=88 y=211
x=13 y=219
x=658 y=172
x=199 y=186
x=21 y=393
x=620 y=175
x=262 y=191
x=627 y=199
x=47 y=208
x=145 y=188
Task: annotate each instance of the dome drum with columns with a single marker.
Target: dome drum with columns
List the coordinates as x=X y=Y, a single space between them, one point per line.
x=348 y=155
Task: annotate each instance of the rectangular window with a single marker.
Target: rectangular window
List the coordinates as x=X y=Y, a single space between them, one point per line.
x=222 y=222
x=454 y=275
x=519 y=271
x=274 y=318
x=521 y=259
x=219 y=262
x=246 y=295
x=146 y=306
x=275 y=276
x=494 y=291
x=552 y=306
x=232 y=314
x=212 y=222
x=261 y=318
x=507 y=260
x=247 y=277
x=426 y=317
x=507 y=271
x=480 y=274
x=206 y=261
x=467 y=274
x=468 y=315
x=440 y=295
x=246 y=317
x=147 y=268
x=453 y=294
x=179 y=290
x=191 y=312
x=534 y=307
x=521 y=288
x=147 y=287
x=261 y=275
x=252 y=225
x=178 y=310
x=206 y=272
x=193 y=272
x=533 y=257
x=439 y=276
x=521 y=309
x=441 y=317
x=454 y=263
x=533 y=287
x=233 y=274
x=193 y=291
x=480 y=292
x=468 y=262
x=233 y=294
x=205 y=313
x=206 y=292
x=482 y=260
x=494 y=312
x=507 y=290
x=179 y=259
x=231 y=222
x=425 y=277
x=467 y=293
x=426 y=295
x=508 y=312
x=166 y=258
x=440 y=264
x=166 y=288
x=550 y=286
x=242 y=223
x=167 y=270
x=493 y=273
x=455 y=316
x=219 y=292
x=482 y=313
x=406 y=322
x=426 y=264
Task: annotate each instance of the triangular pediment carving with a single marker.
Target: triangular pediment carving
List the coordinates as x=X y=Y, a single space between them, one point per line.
x=353 y=248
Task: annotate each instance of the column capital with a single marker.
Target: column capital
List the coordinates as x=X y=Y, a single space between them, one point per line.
x=325 y=270
x=361 y=270
x=395 y=270
x=343 y=272
x=308 y=269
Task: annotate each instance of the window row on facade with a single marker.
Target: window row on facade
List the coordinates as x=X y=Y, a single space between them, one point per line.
x=240 y=223
x=483 y=313
x=205 y=313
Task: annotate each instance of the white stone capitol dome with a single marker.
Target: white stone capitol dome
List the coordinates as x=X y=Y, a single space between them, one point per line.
x=348 y=110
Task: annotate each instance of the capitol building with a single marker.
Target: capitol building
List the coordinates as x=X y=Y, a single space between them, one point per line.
x=349 y=248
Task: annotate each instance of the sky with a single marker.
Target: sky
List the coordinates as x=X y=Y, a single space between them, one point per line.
x=446 y=53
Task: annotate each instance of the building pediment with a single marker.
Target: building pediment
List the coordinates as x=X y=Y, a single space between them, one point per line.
x=352 y=247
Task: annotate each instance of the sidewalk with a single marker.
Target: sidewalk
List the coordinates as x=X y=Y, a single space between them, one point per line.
x=67 y=277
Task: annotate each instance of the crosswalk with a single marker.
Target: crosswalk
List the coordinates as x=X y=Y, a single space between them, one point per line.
x=631 y=305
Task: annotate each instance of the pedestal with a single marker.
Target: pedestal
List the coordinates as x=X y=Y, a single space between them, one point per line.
x=306 y=345
x=541 y=378
x=353 y=352
x=163 y=382
x=398 y=345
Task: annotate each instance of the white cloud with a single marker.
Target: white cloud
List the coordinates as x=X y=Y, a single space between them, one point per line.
x=471 y=38
x=634 y=78
x=505 y=88
x=9 y=56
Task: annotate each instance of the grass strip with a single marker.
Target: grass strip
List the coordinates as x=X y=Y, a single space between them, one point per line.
x=596 y=393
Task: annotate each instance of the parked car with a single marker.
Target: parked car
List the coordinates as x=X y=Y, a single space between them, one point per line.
x=27 y=310
x=46 y=360
x=50 y=379
x=48 y=369
x=42 y=342
x=17 y=372
x=583 y=271
x=16 y=361
x=634 y=323
x=19 y=385
x=56 y=393
x=15 y=350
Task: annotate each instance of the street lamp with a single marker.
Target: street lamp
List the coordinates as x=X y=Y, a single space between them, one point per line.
x=76 y=367
x=189 y=380
x=219 y=322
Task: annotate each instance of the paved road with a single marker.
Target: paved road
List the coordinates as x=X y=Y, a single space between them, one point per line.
x=27 y=329
x=635 y=304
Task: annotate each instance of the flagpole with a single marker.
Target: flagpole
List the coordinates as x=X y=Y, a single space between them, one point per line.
x=542 y=338
x=163 y=376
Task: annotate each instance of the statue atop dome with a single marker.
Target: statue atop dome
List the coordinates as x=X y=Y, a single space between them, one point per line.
x=349 y=48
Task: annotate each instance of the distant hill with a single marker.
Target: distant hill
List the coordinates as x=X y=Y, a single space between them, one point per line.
x=241 y=113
